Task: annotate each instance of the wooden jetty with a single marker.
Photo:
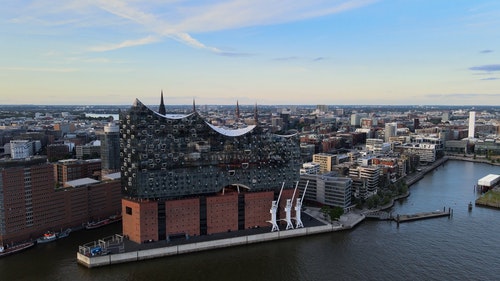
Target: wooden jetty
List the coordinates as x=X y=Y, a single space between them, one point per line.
x=424 y=215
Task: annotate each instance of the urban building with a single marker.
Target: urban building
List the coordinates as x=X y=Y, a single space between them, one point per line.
x=170 y=157
x=327 y=189
x=310 y=168
x=72 y=169
x=31 y=203
x=110 y=148
x=472 y=124
x=325 y=161
x=365 y=180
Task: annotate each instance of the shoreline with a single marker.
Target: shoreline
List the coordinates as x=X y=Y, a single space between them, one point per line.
x=152 y=251
x=161 y=249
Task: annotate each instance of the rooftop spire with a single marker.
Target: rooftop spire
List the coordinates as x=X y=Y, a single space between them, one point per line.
x=237 y=110
x=194 y=106
x=162 y=109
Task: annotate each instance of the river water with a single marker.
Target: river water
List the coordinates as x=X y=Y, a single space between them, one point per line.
x=463 y=247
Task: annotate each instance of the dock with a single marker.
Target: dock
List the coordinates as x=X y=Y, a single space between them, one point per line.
x=424 y=215
x=117 y=249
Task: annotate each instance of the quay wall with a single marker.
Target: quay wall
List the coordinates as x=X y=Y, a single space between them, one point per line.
x=99 y=261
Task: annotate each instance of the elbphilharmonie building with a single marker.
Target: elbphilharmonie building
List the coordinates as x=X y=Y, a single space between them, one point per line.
x=180 y=166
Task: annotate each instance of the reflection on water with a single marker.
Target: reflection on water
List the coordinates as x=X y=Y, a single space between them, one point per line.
x=457 y=248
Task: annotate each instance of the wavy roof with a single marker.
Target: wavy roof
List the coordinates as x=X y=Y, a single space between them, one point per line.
x=224 y=131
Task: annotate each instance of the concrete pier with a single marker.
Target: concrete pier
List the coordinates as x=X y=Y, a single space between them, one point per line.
x=424 y=215
x=130 y=254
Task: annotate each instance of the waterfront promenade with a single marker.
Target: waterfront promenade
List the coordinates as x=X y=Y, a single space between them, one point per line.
x=122 y=251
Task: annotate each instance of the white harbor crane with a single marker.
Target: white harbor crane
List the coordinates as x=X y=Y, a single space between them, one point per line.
x=288 y=209
x=274 y=207
x=298 y=208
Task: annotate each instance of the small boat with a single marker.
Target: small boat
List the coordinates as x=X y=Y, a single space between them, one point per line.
x=101 y=223
x=5 y=251
x=96 y=224
x=50 y=236
x=47 y=237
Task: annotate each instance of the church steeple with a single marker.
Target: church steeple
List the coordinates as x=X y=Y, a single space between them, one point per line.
x=162 y=109
x=237 y=111
x=194 y=106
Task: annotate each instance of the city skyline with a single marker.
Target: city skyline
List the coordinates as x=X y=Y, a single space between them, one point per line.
x=264 y=52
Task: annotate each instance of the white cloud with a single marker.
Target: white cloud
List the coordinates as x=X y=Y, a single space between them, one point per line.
x=175 y=19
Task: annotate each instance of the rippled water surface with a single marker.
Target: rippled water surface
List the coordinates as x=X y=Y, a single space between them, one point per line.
x=463 y=247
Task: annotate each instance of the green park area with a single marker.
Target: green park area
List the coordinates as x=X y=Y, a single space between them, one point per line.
x=490 y=198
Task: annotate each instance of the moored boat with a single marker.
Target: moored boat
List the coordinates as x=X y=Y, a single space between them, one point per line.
x=5 y=251
x=96 y=224
x=100 y=223
x=47 y=237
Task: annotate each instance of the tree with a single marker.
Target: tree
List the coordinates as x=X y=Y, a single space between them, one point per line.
x=336 y=212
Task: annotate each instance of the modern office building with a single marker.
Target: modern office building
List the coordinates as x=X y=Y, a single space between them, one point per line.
x=110 y=148
x=472 y=124
x=328 y=189
x=183 y=165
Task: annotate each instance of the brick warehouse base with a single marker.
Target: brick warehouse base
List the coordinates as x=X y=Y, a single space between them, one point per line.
x=223 y=212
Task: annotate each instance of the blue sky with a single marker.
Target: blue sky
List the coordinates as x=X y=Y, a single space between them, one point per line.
x=332 y=52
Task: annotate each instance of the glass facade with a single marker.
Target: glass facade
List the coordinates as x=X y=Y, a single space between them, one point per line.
x=171 y=156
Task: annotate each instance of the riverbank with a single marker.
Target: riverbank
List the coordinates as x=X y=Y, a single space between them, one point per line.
x=314 y=223
x=490 y=199
x=117 y=250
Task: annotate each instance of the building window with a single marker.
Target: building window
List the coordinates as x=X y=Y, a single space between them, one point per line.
x=128 y=210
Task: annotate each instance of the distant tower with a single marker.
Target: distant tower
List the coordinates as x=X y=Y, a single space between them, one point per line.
x=194 y=106
x=256 y=115
x=390 y=131
x=237 y=111
x=472 y=124
x=162 y=109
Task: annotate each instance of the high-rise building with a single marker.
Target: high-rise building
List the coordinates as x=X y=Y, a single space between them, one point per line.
x=110 y=148
x=472 y=124
x=390 y=131
x=180 y=165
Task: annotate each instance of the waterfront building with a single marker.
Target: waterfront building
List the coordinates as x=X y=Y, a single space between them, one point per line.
x=213 y=171
x=426 y=152
x=31 y=203
x=487 y=147
x=365 y=180
x=327 y=189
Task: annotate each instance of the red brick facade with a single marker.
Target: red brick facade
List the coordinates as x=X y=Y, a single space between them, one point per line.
x=140 y=220
x=222 y=213
x=183 y=216
x=257 y=207
x=51 y=208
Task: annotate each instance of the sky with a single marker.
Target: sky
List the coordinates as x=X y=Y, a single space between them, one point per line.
x=334 y=52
